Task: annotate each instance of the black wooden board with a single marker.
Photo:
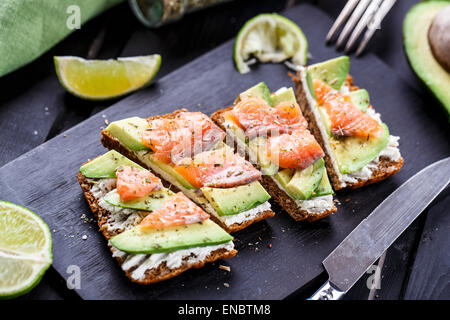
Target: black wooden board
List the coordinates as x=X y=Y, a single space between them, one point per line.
x=44 y=180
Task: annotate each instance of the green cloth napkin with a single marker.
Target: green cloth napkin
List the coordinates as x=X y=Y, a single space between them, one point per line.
x=28 y=28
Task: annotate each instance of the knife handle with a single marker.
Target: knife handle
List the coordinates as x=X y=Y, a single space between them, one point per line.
x=327 y=292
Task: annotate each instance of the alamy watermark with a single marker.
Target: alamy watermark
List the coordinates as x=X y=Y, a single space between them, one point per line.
x=74 y=19
x=374 y=280
x=74 y=280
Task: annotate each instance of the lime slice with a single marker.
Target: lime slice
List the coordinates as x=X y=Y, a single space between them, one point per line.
x=269 y=38
x=25 y=250
x=106 y=79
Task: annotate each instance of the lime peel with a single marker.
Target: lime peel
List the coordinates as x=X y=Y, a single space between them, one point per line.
x=269 y=38
x=25 y=250
x=106 y=79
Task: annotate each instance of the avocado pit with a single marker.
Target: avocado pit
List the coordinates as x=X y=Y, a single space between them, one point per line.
x=439 y=37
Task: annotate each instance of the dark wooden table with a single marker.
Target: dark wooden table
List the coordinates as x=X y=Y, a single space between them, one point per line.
x=35 y=108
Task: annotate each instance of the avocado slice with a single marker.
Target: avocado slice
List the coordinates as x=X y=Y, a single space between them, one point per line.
x=415 y=34
x=287 y=95
x=170 y=171
x=260 y=90
x=353 y=153
x=324 y=188
x=257 y=146
x=360 y=98
x=129 y=132
x=304 y=182
x=151 y=202
x=325 y=119
x=284 y=176
x=333 y=72
x=229 y=201
x=105 y=166
x=148 y=241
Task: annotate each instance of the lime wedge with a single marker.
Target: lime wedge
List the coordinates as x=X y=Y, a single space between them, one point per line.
x=269 y=38
x=25 y=250
x=106 y=79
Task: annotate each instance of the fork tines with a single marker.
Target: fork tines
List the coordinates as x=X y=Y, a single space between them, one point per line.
x=360 y=15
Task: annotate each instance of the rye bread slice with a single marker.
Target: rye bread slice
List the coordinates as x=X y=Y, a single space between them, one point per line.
x=112 y=143
x=280 y=196
x=162 y=272
x=386 y=167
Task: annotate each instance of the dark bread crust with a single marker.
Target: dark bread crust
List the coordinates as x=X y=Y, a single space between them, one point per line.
x=162 y=272
x=281 y=197
x=386 y=167
x=111 y=142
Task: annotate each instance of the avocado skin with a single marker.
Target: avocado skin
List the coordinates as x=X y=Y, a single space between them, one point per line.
x=421 y=59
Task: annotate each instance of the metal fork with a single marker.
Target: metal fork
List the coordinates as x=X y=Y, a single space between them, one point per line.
x=364 y=14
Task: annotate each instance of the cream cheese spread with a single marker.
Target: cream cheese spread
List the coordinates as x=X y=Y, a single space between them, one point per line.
x=123 y=219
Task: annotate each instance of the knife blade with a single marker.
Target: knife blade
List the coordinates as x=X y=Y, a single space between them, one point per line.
x=367 y=242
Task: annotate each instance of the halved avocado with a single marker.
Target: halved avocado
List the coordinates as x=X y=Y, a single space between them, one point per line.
x=147 y=241
x=151 y=202
x=353 y=153
x=229 y=201
x=105 y=166
x=415 y=34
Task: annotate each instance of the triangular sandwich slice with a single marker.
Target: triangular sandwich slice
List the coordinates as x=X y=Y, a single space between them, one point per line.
x=359 y=147
x=272 y=132
x=154 y=233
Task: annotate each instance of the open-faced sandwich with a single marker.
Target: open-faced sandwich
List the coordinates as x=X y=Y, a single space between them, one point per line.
x=154 y=233
x=271 y=130
x=358 y=146
x=186 y=150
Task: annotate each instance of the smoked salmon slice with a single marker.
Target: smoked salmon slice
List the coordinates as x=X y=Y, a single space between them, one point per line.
x=133 y=183
x=257 y=117
x=346 y=119
x=218 y=169
x=297 y=150
x=185 y=135
x=175 y=211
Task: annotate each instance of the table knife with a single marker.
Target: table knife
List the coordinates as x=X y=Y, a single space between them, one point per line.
x=376 y=233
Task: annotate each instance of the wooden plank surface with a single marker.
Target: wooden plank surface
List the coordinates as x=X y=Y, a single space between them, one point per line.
x=297 y=249
x=430 y=276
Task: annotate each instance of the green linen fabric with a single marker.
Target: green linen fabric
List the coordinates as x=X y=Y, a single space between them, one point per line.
x=28 y=28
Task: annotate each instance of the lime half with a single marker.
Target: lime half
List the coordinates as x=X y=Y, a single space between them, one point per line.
x=25 y=250
x=106 y=79
x=269 y=38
